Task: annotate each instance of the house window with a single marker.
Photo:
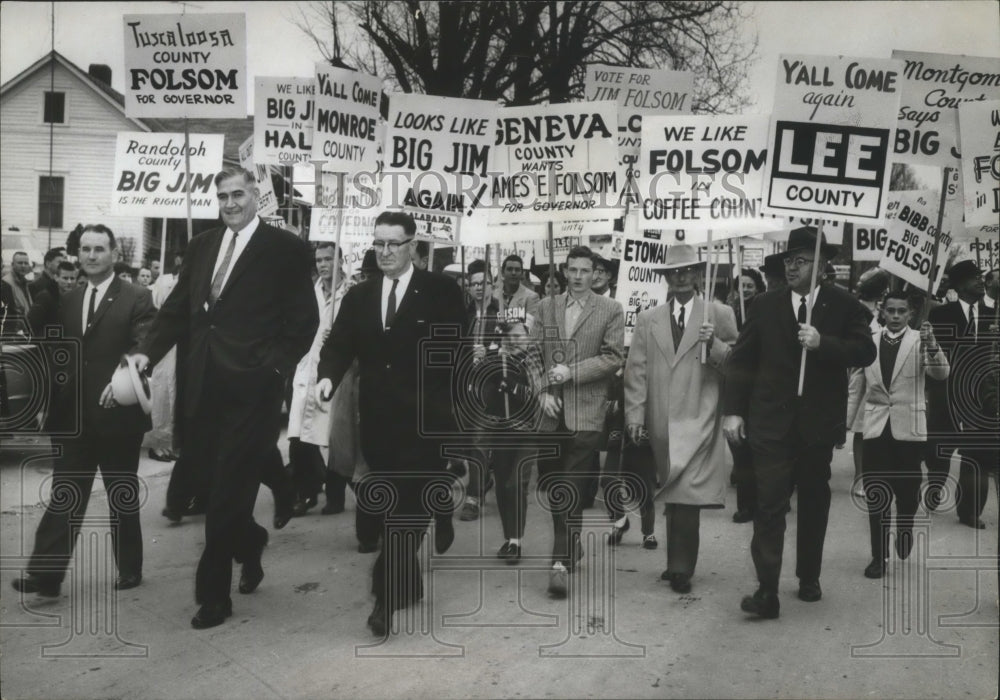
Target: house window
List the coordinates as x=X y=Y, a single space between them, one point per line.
x=55 y=108
x=50 y=202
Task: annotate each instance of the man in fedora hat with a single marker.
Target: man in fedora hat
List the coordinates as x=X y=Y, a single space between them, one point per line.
x=674 y=398
x=964 y=330
x=792 y=437
x=774 y=272
x=108 y=317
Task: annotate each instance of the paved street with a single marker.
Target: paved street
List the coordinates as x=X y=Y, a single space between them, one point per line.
x=928 y=630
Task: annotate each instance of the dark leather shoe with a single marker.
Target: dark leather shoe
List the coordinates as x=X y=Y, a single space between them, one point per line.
x=681 y=583
x=809 y=591
x=617 y=533
x=742 y=516
x=762 y=604
x=444 y=534
x=649 y=542
x=667 y=575
x=284 y=506
x=367 y=547
x=504 y=550
x=974 y=523
x=33 y=584
x=558 y=582
x=123 y=583
x=514 y=554
x=875 y=568
x=171 y=514
x=302 y=505
x=211 y=615
x=252 y=572
x=380 y=620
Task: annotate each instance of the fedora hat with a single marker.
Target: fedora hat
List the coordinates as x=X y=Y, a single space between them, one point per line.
x=773 y=265
x=962 y=271
x=129 y=387
x=804 y=238
x=680 y=256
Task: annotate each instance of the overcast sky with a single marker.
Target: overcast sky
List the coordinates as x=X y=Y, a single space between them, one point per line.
x=92 y=32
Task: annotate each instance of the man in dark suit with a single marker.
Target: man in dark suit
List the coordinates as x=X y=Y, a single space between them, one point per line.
x=963 y=328
x=381 y=323
x=49 y=279
x=792 y=437
x=110 y=318
x=245 y=305
x=44 y=309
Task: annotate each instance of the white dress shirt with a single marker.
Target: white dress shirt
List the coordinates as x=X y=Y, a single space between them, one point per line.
x=675 y=309
x=401 y=287
x=241 y=243
x=100 y=290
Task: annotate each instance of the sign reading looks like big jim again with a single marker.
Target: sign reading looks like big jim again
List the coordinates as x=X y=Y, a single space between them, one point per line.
x=831 y=135
x=191 y=66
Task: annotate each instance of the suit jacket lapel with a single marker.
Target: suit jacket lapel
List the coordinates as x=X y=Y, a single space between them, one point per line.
x=691 y=327
x=662 y=333
x=905 y=346
x=109 y=296
x=74 y=311
x=559 y=309
x=412 y=292
x=819 y=307
x=584 y=313
x=255 y=246
x=205 y=283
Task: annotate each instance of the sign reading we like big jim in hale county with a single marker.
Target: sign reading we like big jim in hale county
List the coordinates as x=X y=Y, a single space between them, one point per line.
x=191 y=66
x=831 y=136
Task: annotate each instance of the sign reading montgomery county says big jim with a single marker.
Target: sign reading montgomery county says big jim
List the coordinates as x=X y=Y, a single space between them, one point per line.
x=979 y=125
x=267 y=200
x=704 y=172
x=191 y=66
x=348 y=131
x=149 y=177
x=556 y=163
x=909 y=249
x=931 y=87
x=830 y=142
x=283 y=120
x=437 y=156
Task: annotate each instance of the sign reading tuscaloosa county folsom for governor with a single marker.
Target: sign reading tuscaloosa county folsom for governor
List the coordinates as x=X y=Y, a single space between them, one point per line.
x=830 y=142
x=191 y=66
x=149 y=175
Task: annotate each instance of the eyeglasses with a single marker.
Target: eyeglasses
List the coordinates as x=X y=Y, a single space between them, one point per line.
x=798 y=262
x=389 y=246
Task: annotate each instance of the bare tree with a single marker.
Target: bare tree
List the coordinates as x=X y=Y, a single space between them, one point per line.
x=903 y=177
x=526 y=52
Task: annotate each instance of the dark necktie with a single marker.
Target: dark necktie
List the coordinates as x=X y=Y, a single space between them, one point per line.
x=220 y=276
x=680 y=319
x=970 y=328
x=390 y=309
x=802 y=310
x=90 y=306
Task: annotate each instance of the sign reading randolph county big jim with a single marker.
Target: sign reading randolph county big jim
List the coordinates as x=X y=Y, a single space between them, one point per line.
x=830 y=143
x=191 y=66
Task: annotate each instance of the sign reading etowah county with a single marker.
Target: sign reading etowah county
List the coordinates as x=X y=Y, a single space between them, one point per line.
x=348 y=130
x=267 y=200
x=831 y=135
x=909 y=249
x=703 y=172
x=283 y=120
x=556 y=163
x=979 y=124
x=640 y=285
x=437 y=156
x=932 y=86
x=192 y=66
x=149 y=177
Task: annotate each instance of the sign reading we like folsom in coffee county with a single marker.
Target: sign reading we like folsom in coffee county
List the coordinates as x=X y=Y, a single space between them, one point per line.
x=831 y=135
x=190 y=65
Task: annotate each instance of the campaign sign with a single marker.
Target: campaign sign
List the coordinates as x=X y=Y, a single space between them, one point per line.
x=932 y=86
x=437 y=156
x=353 y=212
x=347 y=134
x=267 y=200
x=909 y=249
x=703 y=172
x=191 y=66
x=870 y=239
x=830 y=141
x=150 y=180
x=283 y=120
x=556 y=163
x=640 y=285
x=979 y=123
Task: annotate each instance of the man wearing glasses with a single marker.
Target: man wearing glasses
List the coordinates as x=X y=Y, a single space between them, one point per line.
x=381 y=323
x=791 y=436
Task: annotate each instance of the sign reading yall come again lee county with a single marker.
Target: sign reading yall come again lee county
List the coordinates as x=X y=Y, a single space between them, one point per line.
x=831 y=135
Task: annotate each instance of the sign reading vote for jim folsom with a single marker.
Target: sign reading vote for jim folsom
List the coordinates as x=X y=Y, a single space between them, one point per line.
x=283 y=120
x=830 y=142
x=557 y=163
x=348 y=129
x=150 y=179
x=186 y=66
x=703 y=172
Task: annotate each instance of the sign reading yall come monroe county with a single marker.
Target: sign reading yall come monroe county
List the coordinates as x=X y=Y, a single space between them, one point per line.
x=932 y=86
x=149 y=177
x=347 y=135
x=191 y=66
x=830 y=143
x=267 y=200
x=283 y=120
x=704 y=172
x=909 y=248
x=437 y=156
x=556 y=163
x=979 y=123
